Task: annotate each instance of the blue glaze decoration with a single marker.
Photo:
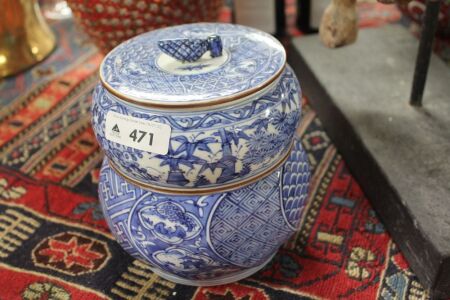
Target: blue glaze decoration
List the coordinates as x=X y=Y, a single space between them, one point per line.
x=215 y=45
x=210 y=147
x=205 y=237
x=139 y=70
x=191 y=50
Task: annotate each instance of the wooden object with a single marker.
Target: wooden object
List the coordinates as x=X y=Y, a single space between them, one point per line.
x=339 y=25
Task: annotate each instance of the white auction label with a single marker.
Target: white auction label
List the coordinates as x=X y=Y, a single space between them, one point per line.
x=137 y=133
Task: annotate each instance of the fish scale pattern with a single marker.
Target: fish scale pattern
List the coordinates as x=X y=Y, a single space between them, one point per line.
x=295 y=185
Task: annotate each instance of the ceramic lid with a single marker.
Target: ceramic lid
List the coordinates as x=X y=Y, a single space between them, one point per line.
x=140 y=71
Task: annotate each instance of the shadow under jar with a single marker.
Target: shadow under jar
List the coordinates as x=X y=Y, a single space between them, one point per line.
x=172 y=123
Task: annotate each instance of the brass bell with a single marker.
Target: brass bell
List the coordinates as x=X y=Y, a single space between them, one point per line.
x=25 y=38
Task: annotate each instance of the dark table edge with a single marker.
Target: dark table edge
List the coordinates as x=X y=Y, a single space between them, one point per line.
x=430 y=266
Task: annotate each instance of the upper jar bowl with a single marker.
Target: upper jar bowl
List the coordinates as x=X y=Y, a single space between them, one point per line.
x=196 y=108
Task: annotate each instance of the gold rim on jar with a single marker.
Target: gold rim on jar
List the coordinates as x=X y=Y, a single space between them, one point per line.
x=191 y=104
x=203 y=191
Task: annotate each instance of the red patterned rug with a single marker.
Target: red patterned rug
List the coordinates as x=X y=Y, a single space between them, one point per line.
x=54 y=243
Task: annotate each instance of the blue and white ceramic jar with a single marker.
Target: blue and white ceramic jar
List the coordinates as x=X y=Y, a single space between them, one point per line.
x=203 y=177
x=211 y=239
x=196 y=108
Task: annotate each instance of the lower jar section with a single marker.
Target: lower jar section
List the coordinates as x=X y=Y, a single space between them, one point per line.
x=207 y=239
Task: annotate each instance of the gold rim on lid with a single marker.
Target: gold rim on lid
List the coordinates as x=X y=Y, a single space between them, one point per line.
x=270 y=54
x=191 y=104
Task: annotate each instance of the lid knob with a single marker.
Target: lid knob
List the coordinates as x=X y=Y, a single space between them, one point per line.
x=190 y=50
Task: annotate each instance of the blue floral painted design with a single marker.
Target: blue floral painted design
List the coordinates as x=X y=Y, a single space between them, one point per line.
x=212 y=147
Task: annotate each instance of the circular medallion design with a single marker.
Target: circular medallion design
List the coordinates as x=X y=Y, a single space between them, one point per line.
x=138 y=71
x=169 y=221
x=168 y=231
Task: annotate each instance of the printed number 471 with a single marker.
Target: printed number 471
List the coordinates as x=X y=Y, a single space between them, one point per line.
x=138 y=136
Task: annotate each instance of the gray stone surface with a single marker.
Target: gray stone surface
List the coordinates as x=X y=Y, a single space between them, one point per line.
x=370 y=83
